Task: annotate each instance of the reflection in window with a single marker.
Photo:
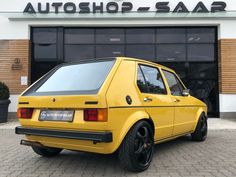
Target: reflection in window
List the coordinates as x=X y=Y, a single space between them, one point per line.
x=45 y=52
x=79 y=52
x=170 y=35
x=141 y=82
x=79 y=36
x=109 y=50
x=110 y=36
x=171 y=52
x=200 y=35
x=140 y=35
x=146 y=52
x=202 y=71
x=201 y=52
x=176 y=87
x=45 y=44
x=45 y=35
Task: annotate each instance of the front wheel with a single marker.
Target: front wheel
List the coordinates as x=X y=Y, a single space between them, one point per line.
x=137 y=148
x=46 y=151
x=200 y=132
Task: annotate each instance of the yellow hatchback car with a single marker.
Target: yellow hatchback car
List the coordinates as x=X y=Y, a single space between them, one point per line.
x=107 y=105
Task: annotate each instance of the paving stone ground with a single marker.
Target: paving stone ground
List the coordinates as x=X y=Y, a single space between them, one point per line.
x=181 y=157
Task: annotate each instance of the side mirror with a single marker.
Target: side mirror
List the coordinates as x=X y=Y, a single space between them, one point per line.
x=186 y=92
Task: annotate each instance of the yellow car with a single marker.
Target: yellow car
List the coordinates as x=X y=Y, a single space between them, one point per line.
x=107 y=105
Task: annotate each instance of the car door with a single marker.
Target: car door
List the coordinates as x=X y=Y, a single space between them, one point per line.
x=184 y=109
x=155 y=99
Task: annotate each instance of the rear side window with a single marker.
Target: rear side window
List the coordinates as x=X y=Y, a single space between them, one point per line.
x=176 y=87
x=149 y=80
x=82 y=78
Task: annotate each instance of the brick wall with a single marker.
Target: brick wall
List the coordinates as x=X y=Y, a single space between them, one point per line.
x=227 y=63
x=10 y=72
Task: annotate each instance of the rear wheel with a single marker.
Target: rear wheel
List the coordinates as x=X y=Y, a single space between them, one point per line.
x=136 y=150
x=46 y=151
x=200 y=132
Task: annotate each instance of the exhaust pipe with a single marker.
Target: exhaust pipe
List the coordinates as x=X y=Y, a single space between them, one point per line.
x=30 y=143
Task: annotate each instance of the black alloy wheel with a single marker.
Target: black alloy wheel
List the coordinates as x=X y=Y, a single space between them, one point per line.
x=143 y=146
x=200 y=133
x=136 y=151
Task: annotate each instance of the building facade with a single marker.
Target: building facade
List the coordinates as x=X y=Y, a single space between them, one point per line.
x=195 y=38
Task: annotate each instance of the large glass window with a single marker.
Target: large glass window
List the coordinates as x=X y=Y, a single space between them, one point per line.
x=80 y=78
x=141 y=51
x=202 y=71
x=45 y=44
x=200 y=35
x=109 y=51
x=79 y=36
x=140 y=36
x=79 y=52
x=45 y=35
x=190 y=51
x=171 y=35
x=45 y=52
x=153 y=80
x=170 y=52
x=110 y=36
x=201 y=52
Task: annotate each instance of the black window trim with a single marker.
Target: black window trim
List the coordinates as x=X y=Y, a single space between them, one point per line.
x=177 y=80
x=148 y=91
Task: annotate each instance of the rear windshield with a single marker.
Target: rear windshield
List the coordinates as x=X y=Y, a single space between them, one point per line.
x=82 y=78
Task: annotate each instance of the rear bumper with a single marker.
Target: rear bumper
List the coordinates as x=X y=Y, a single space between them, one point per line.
x=105 y=137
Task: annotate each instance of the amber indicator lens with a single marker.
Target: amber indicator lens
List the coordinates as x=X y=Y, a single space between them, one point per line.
x=99 y=115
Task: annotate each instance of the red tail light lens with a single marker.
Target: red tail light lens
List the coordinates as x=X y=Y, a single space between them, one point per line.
x=99 y=115
x=24 y=113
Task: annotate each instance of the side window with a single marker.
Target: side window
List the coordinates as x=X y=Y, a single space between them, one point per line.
x=176 y=87
x=151 y=79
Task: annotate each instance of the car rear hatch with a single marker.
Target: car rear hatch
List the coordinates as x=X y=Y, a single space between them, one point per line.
x=70 y=97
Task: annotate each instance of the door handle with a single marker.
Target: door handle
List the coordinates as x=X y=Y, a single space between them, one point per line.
x=176 y=100
x=146 y=99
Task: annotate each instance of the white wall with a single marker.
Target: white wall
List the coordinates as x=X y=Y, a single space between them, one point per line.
x=227 y=102
x=13 y=104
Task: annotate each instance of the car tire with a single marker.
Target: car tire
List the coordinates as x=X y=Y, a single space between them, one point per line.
x=136 y=150
x=46 y=151
x=200 y=133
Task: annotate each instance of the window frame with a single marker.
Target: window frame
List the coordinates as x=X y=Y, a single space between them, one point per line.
x=148 y=91
x=177 y=80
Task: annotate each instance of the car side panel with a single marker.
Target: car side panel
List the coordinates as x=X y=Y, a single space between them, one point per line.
x=160 y=109
x=122 y=120
x=185 y=112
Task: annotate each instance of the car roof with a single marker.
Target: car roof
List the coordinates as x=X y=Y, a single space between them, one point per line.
x=145 y=62
x=119 y=58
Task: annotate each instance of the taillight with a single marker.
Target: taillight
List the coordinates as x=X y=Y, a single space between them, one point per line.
x=24 y=113
x=99 y=115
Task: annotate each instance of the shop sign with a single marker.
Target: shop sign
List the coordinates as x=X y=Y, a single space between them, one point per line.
x=114 y=7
